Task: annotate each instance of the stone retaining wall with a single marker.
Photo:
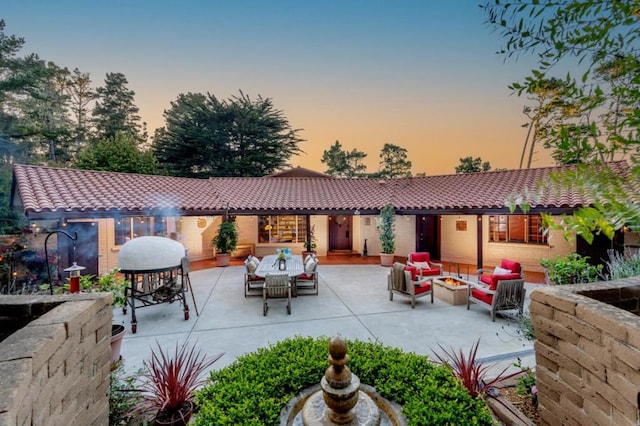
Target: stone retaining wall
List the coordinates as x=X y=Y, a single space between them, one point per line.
x=588 y=353
x=55 y=370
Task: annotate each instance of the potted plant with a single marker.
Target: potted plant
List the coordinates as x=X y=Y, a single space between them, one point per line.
x=112 y=282
x=310 y=244
x=169 y=382
x=225 y=242
x=386 y=231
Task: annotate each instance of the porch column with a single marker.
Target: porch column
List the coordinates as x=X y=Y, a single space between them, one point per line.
x=479 y=241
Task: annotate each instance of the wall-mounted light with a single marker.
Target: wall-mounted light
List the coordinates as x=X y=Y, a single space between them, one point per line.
x=356 y=212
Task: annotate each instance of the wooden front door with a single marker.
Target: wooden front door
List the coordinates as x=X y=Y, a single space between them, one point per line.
x=340 y=236
x=428 y=235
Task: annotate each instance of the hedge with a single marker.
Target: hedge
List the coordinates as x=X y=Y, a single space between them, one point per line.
x=254 y=388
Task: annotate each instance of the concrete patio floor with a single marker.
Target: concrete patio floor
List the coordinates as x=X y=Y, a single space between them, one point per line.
x=353 y=301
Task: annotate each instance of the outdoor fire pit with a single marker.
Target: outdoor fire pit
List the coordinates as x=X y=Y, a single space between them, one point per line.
x=451 y=290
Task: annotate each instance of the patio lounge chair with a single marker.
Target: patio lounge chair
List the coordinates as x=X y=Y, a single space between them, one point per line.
x=404 y=281
x=505 y=295
x=508 y=270
x=423 y=264
x=252 y=282
x=276 y=286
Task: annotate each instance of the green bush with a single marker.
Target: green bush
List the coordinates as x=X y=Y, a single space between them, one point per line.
x=123 y=398
x=254 y=389
x=571 y=269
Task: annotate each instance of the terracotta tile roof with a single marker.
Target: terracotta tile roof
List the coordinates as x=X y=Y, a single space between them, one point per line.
x=47 y=189
x=44 y=189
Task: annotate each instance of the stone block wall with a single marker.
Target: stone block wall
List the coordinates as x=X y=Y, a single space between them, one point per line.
x=55 y=370
x=588 y=353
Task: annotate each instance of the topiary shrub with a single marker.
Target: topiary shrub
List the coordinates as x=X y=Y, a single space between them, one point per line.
x=254 y=389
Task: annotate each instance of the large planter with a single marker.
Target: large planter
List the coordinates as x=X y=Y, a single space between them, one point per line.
x=117 y=333
x=179 y=418
x=224 y=259
x=386 y=259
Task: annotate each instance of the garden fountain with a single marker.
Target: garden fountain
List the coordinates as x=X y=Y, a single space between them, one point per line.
x=340 y=399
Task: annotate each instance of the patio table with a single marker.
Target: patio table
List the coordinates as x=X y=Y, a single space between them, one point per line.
x=269 y=265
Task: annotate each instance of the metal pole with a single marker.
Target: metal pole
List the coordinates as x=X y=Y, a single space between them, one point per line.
x=46 y=252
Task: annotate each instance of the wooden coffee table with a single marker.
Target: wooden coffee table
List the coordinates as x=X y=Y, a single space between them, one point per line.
x=450 y=289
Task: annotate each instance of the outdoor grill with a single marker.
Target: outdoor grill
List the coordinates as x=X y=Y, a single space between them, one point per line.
x=157 y=270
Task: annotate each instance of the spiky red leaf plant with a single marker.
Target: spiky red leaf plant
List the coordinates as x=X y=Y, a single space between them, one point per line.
x=471 y=373
x=170 y=380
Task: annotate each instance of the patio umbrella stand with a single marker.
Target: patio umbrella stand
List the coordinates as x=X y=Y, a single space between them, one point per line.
x=157 y=271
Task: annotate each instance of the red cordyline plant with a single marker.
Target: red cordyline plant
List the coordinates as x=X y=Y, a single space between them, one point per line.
x=471 y=373
x=169 y=381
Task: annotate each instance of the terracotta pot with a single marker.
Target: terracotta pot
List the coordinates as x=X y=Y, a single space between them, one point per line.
x=224 y=259
x=117 y=333
x=180 y=418
x=386 y=259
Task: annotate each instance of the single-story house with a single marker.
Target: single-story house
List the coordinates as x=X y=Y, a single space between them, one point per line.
x=460 y=218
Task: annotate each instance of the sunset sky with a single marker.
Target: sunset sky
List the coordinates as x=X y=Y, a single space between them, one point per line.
x=421 y=74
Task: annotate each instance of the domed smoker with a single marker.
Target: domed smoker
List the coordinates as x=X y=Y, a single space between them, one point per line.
x=152 y=266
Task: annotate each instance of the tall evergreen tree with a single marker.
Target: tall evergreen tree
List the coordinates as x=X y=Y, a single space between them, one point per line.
x=80 y=93
x=471 y=165
x=44 y=124
x=204 y=136
x=120 y=153
x=393 y=162
x=115 y=110
x=342 y=163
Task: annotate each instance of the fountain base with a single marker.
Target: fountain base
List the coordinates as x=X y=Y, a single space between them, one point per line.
x=389 y=411
x=316 y=413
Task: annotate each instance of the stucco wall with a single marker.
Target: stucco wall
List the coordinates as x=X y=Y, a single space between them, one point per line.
x=456 y=246
x=460 y=246
x=405 y=235
x=55 y=370
x=529 y=255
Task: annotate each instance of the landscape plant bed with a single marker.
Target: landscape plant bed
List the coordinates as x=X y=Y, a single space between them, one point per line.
x=256 y=387
x=512 y=408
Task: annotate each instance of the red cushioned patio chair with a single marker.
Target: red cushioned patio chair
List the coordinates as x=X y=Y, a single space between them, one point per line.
x=404 y=281
x=502 y=290
x=508 y=270
x=423 y=264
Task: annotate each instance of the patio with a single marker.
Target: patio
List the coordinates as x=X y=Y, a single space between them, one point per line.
x=353 y=301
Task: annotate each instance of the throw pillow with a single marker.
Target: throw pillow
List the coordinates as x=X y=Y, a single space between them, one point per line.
x=310 y=266
x=501 y=271
x=422 y=265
